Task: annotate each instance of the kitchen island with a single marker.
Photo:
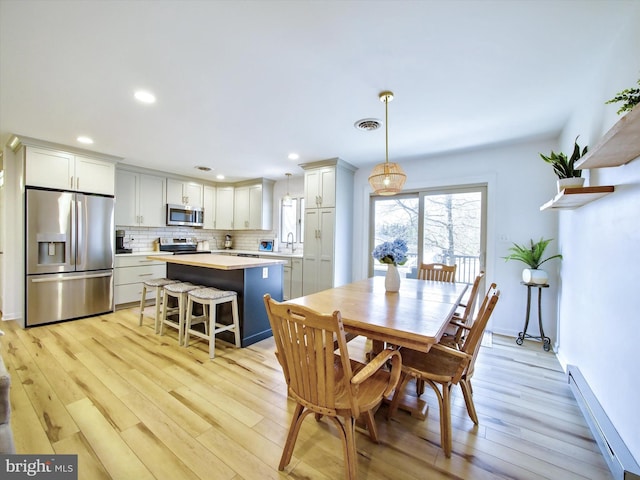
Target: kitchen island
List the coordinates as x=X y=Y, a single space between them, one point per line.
x=249 y=277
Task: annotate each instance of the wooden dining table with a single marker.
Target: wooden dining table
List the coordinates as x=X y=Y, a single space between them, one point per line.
x=415 y=317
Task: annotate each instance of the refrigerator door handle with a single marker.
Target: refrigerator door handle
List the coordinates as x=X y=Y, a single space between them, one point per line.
x=67 y=279
x=73 y=234
x=79 y=235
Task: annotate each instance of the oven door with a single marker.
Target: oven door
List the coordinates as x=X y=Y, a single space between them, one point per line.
x=185 y=215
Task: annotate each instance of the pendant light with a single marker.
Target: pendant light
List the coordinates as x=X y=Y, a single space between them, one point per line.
x=287 y=201
x=387 y=178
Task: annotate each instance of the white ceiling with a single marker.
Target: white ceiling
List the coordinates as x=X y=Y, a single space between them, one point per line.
x=241 y=84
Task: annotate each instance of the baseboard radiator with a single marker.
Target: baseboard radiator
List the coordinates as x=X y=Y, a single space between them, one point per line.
x=621 y=463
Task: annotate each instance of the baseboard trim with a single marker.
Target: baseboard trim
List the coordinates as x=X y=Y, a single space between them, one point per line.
x=620 y=461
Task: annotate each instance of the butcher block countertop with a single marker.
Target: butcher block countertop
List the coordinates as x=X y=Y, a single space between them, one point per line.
x=219 y=262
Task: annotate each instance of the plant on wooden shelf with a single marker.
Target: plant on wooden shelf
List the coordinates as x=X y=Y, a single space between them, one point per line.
x=392 y=253
x=630 y=97
x=531 y=255
x=564 y=167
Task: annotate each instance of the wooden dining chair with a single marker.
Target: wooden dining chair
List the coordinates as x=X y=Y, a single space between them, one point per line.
x=443 y=366
x=323 y=382
x=453 y=334
x=438 y=272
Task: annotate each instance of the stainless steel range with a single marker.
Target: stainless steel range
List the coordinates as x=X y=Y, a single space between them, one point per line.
x=180 y=246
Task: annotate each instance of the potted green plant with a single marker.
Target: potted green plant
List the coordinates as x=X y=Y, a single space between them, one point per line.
x=630 y=97
x=531 y=255
x=564 y=167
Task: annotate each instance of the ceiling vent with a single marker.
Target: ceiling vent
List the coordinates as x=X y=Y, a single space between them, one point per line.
x=368 y=124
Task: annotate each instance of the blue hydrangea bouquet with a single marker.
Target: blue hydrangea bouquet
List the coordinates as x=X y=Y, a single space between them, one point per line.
x=394 y=253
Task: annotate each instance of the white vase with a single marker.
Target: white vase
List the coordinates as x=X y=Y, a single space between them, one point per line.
x=573 y=182
x=392 y=279
x=532 y=275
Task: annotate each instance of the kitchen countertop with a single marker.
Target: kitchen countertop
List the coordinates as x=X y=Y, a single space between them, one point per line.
x=219 y=262
x=139 y=254
x=233 y=251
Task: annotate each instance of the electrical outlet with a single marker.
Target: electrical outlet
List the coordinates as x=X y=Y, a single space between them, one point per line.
x=503 y=237
x=265 y=272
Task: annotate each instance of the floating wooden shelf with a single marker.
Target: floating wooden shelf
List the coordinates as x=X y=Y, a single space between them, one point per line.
x=619 y=145
x=576 y=197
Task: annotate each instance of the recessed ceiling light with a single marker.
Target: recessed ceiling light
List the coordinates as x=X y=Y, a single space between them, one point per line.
x=220 y=177
x=203 y=168
x=85 y=140
x=145 y=97
x=293 y=156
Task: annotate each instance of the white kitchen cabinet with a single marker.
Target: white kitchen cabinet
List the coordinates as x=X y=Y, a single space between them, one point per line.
x=241 y=208
x=320 y=187
x=328 y=222
x=292 y=276
x=296 y=278
x=140 y=199
x=253 y=206
x=319 y=243
x=68 y=171
x=286 y=282
x=224 y=208
x=185 y=193
x=209 y=205
x=129 y=274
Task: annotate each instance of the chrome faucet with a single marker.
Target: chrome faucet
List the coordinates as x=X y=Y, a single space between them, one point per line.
x=293 y=248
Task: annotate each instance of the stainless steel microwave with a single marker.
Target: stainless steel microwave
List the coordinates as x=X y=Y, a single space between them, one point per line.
x=185 y=215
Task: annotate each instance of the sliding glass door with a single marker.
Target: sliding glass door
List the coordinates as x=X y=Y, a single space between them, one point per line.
x=395 y=217
x=439 y=225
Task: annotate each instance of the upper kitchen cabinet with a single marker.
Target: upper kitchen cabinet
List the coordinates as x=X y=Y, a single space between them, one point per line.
x=320 y=186
x=209 y=206
x=68 y=171
x=253 y=205
x=328 y=224
x=185 y=193
x=224 y=208
x=140 y=199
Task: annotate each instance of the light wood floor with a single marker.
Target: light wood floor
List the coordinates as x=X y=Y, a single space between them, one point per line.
x=134 y=405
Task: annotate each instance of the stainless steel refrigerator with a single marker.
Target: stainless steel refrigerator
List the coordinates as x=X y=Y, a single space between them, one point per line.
x=69 y=255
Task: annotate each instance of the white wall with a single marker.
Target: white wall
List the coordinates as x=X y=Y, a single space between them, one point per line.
x=12 y=272
x=598 y=319
x=519 y=182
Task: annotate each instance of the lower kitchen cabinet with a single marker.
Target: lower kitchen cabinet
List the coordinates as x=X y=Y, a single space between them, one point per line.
x=296 y=278
x=319 y=250
x=291 y=276
x=131 y=272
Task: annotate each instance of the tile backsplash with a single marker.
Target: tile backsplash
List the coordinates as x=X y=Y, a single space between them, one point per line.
x=140 y=239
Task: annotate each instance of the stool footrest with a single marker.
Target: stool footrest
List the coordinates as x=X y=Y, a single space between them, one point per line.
x=221 y=327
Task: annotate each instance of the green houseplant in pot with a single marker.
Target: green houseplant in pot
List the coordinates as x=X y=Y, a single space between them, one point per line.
x=630 y=97
x=531 y=255
x=564 y=167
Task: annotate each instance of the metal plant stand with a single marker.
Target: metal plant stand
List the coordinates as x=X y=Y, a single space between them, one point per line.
x=546 y=341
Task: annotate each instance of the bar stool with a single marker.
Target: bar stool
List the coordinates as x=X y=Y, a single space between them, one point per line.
x=157 y=284
x=210 y=298
x=178 y=291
